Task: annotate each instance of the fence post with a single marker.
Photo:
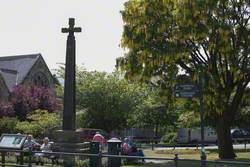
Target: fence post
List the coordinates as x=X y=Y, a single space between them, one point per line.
x=21 y=158
x=3 y=158
x=176 y=160
x=100 y=159
x=114 y=148
x=203 y=158
x=94 y=149
x=30 y=157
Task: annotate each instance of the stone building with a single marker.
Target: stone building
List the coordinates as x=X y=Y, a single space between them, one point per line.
x=23 y=69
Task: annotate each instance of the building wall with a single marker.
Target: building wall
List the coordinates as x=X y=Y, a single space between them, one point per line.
x=4 y=93
x=40 y=75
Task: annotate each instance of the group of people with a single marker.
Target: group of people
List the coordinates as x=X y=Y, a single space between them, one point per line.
x=130 y=148
x=45 y=148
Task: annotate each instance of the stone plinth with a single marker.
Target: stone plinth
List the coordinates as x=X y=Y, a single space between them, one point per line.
x=68 y=141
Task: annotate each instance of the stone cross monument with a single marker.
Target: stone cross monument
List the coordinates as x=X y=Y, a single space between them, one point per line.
x=69 y=84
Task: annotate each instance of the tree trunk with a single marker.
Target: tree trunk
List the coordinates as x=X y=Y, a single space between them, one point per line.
x=225 y=144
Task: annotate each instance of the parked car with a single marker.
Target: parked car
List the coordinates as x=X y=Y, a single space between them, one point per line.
x=240 y=134
x=142 y=135
x=247 y=132
x=237 y=133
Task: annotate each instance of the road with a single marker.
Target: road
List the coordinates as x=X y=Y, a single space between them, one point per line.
x=236 y=146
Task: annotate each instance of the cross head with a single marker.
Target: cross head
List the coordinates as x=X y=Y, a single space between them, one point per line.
x=71 y=28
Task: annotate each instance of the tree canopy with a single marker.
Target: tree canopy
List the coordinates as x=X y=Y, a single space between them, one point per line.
x=27 y=98
x=109 y=102
x=164 y=37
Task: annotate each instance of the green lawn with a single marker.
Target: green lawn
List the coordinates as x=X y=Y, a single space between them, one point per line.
x=242 y=155
x=182 y=164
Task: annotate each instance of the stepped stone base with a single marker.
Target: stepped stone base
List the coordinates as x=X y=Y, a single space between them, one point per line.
x=66 y=136
x=68 y=141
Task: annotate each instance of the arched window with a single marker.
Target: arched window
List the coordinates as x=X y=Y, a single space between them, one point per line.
x=40 y=79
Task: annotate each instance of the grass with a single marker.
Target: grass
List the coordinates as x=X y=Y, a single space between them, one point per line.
x=242 y=155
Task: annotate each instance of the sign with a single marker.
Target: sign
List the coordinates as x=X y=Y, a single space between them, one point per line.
x=12 y=141
x=186 y=91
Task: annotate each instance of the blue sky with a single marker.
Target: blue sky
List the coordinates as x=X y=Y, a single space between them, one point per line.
x=34 y=26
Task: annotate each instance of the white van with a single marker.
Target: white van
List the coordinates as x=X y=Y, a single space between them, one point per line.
x=186 y=135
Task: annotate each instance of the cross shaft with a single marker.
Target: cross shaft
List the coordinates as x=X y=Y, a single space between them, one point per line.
x=69 y=85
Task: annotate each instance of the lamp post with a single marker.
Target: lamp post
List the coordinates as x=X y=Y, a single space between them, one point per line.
x=201 y=82
x=189 y=91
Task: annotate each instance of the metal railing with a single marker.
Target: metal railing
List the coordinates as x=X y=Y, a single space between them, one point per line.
x=243 y=143
x=176 y=160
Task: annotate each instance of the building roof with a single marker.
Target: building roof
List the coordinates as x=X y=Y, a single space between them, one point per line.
x=15 y=68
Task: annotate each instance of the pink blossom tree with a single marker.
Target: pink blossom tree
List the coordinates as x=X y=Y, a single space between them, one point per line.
x=26 y=98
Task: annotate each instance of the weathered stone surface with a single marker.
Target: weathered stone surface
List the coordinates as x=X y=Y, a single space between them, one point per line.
x=68 y=141
x=69 y=85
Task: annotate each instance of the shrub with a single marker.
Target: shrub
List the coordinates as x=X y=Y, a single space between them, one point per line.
x=81 y=119
x=82 y=163
x=8 y=125
x=6 y=109
x=169 y=138
x=26 y=98
x=39 y=123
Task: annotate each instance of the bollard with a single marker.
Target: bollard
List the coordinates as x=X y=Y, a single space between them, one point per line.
x=30 y=157
x=152 y=146
x=114 y=148
x=94 y=161
x=3 y=159
x=203 y=158
x=176 y=160
x=21 y=158
x=100 y=159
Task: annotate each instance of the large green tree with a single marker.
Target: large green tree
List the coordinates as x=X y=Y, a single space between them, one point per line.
x=106 y=100
x=164 y=36
x=109 y=102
